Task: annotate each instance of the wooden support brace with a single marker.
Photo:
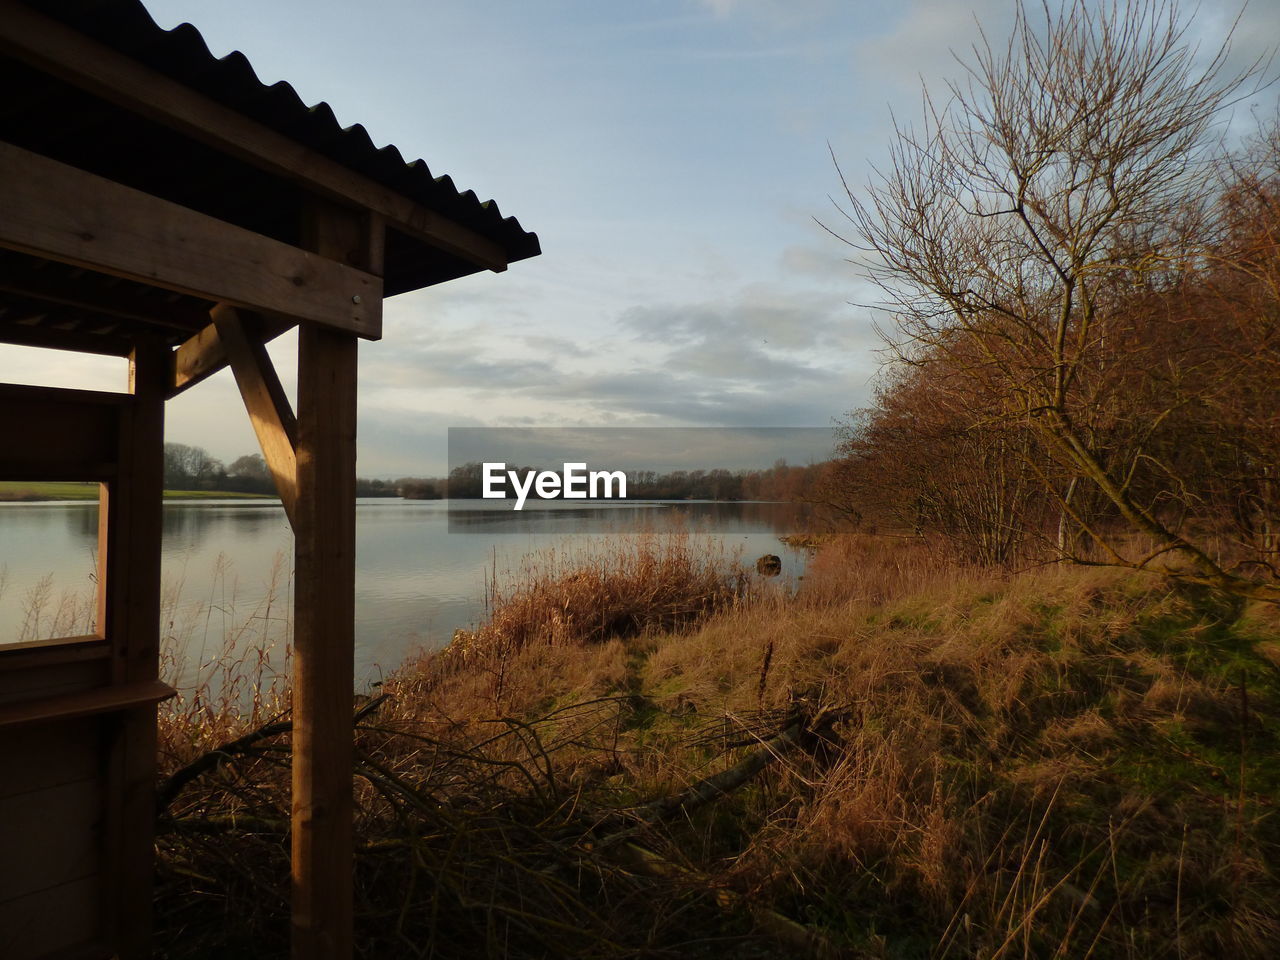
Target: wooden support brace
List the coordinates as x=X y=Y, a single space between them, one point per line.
x=203 y=355
x=265 y=399
x=195 y=360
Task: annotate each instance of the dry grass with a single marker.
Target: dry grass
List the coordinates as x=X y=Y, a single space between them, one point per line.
x=568 y=613
x=229 y=661
x=1060 y=763
x=50 y=612
x=624 y=587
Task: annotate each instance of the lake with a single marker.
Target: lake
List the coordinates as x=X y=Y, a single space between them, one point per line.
x=421 y=568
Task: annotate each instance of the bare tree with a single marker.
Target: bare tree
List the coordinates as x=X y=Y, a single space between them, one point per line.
x=1067 y=174
x=922 y=461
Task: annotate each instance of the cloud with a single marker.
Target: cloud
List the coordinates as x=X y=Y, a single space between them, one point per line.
x=770 y=317
x=773 y=11
x=644 y=448
x=761 y=355
x=562 y=346
x=1251 y=38
x=722 y=8
x=40 y=367
x=817 y=263
x=461 y=363
x=924 y=42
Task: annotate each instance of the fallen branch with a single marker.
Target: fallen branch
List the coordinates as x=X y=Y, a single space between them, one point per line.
x=210 y=761
x=727 y=781
x=220 y=825
x=813 y=941
x=809 y=939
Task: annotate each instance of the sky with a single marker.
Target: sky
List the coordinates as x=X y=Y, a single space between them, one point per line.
x=674 y=158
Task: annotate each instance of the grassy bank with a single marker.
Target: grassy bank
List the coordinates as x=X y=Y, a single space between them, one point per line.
x=26 y=491
x=642 y=756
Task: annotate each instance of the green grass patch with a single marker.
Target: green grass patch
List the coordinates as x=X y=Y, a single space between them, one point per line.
x=18 y=491
x=213 y=495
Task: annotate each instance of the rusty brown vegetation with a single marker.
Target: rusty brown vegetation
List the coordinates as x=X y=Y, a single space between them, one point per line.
x=901 y=759
x=1082 y=286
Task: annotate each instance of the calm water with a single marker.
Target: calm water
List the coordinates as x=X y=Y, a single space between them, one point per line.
x=227 y=565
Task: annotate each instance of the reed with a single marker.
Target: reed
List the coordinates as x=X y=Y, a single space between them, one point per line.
x=228 y=658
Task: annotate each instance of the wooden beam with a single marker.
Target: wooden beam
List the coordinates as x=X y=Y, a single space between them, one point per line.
x=99 y=295
x=265 y=399
x=27 y=393
x=55 y=338
x=203 y=355
x=53 y=210
x=61 y=51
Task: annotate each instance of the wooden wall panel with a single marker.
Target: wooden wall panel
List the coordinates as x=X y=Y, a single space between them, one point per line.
x=48 y=755
x=51 y=837
x=53 y=922
x=17 y=686
x=48 y=434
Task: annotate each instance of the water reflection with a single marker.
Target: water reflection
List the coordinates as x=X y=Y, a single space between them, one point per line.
x=48 y=570
x=192 y=521
x=82 y=522
x=227 y=565
x=494 y=516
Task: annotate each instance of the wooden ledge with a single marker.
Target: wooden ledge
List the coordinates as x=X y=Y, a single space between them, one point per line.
x=86 y=703
x=52 y=652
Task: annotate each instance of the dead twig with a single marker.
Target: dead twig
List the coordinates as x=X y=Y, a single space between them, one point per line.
x=207 y=762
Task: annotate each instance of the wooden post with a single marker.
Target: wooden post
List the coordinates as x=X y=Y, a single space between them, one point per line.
x=129 y=617
x=324 y=624
x=324 y=643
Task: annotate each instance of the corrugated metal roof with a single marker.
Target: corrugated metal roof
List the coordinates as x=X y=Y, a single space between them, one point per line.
x=183 y=55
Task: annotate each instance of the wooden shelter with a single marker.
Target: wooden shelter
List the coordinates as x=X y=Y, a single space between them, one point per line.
x=163 y=205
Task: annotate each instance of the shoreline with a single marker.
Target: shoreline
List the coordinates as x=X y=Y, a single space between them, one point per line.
x=73 y=492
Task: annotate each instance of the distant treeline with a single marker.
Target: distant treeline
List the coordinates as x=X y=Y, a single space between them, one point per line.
x=779 y=482
x=193 y=468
